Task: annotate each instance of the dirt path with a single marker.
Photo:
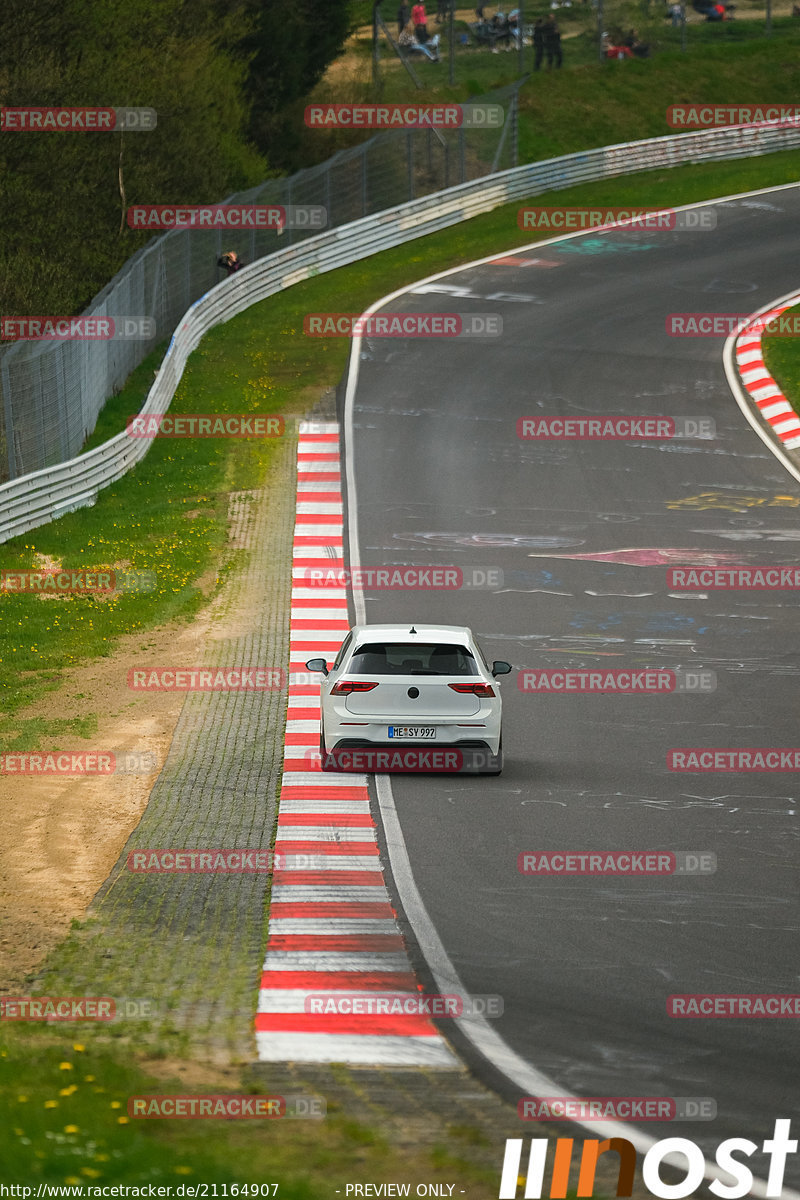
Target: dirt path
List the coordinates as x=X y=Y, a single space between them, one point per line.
x=65 y=835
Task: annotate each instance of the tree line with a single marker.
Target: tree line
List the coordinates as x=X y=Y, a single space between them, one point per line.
x=227 y=79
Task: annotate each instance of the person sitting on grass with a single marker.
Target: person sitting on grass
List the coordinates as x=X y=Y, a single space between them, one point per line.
x=500 y=31
x=637 y=47
x=409 y=44
x=420 y=22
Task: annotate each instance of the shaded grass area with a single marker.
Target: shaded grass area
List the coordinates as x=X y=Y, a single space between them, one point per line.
x=168 y=515
x=782 y=356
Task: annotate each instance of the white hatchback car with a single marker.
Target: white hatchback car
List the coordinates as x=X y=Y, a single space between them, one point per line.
x=396 y=686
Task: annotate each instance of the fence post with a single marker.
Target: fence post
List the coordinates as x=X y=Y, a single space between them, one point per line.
x=290 y=231
x=8 y=416
x=376 y=54
x=327 y=195
x=364 y=153
x=514 y=129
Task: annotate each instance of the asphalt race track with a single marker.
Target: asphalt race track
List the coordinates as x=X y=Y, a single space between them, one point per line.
x=584 y=964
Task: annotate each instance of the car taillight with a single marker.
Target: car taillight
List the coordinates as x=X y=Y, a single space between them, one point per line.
x=351 y=685
x=473 y=689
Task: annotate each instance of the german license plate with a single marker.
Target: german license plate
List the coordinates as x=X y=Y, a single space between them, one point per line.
x=412 y=731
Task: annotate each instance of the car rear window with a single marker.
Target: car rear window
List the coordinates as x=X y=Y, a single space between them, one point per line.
x=400 y=658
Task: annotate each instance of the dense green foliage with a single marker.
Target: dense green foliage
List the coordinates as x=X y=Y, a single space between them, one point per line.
x=216 y=71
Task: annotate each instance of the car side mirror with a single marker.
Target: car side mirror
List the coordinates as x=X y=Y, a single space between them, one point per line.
x=319 y=664
x=500 y=667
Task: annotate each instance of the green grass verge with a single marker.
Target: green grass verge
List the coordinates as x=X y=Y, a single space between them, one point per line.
x=258 y=363
x=782 y=356
x=64 y=1113
x=588 y=104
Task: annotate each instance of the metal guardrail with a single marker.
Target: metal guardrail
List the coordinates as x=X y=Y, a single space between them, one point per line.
x=42 y=496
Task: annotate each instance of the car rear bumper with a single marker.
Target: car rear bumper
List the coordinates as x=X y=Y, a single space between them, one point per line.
x=422 y=758
x=485 y=735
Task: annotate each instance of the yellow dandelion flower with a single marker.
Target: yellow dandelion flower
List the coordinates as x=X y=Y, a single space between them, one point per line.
x=51 y=1104
x=90 y=1171
x=71 y=1129
x=77 y=1046
x=183 y=1170
x=116 y=1104
x=65 y=1066
x=122 y=1120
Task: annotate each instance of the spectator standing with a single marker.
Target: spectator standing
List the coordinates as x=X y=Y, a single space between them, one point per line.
x=538 y=43
x=552 y=42
x=420 y=22
x=402 y=18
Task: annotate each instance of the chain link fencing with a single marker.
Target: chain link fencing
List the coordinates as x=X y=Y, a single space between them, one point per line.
x=51 y=393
